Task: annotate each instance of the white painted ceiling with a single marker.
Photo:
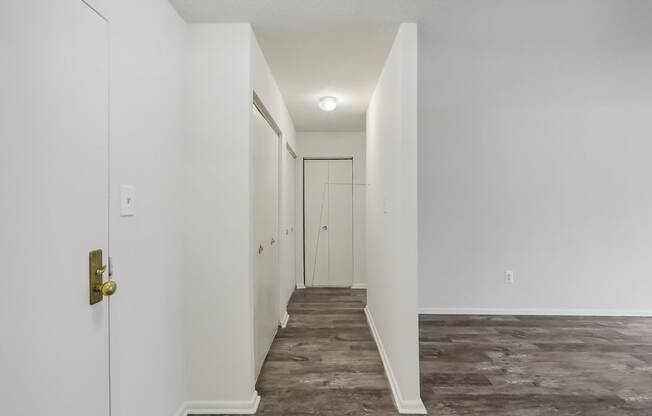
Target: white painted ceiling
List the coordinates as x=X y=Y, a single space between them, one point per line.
x=316 y=48
x=311 y=61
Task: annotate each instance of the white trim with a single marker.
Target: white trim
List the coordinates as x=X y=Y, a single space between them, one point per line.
x=402 y=405
x=284 y=321
x=181 y=411
x=542 y=312
x=222 y=407
x=359 y=286
x=301 y=286
x=290 y=150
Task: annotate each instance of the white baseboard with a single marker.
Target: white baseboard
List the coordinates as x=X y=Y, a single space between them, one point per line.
x=359 y=286
x=284 y=321
x=402 y=405
x=221 y=407
x=181 y=411
x=542 y=312
x=301 y=286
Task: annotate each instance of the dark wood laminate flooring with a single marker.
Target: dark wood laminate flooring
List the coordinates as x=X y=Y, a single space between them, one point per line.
x=536 y=366
x=326 y=363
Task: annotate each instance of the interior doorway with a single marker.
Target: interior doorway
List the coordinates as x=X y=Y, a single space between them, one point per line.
x=328 y=222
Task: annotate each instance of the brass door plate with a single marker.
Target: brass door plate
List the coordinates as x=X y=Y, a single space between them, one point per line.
x=94 y=278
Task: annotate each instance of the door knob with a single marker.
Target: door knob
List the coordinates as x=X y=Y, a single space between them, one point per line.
x=271 y=243
x=107 y=288
x=96 y=270
x=324 y=227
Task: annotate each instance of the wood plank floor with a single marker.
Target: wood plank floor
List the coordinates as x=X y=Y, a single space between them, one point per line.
x=535 y=365
x=326 y=363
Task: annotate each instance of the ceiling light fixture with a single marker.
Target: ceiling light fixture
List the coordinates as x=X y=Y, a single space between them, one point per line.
x=328 y=103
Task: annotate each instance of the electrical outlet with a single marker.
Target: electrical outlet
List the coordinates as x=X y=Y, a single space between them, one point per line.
x=509 y=277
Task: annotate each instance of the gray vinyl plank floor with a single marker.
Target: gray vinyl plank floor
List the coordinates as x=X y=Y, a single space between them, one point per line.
x=536 y=365
x=326 y=363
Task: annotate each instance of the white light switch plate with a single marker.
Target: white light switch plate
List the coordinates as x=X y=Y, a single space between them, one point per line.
x=127 y=200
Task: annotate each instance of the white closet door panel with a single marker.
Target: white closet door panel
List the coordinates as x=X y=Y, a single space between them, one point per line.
x=316 y=222
x=340 y=222
x=266 y=275
x=288 y=245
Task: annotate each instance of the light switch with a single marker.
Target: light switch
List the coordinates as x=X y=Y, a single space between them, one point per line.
x=127 y=200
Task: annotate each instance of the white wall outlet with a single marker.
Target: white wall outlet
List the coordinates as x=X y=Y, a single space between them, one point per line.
x=509 y=277
x=127 y=200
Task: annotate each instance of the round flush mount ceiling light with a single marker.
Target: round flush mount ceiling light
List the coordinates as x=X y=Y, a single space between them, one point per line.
x=328 y=103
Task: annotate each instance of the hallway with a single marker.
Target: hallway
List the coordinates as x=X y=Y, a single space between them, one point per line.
x=325 y=362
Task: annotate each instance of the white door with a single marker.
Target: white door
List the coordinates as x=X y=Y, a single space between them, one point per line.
x=328 y=216
x=288 y=243
x=266 y=269
x=54 y=355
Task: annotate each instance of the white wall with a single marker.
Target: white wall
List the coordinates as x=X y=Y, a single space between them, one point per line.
x=534 y=156
x=392 y=219
x=265 y=86
x=147 y=63
x=219 y=308
x=180 y=108
x=335 y=144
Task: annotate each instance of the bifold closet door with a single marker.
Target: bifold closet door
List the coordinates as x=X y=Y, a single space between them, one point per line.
x=340 y=224
x=316 y=218
x=288 y=246
x=328 y=216
x=266 y=262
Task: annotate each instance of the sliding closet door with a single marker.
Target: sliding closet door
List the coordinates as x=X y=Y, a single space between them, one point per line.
x=328 y=216
x=266 y=266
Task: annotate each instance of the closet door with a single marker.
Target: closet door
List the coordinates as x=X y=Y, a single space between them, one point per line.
x=316 y=222
x=340 y=224
x=288 y=244
x=328 y=216
x=266 y=262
